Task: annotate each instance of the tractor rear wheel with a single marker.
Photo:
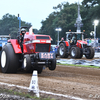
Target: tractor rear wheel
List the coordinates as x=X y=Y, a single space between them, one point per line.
x=90 y=55
x=53 y=65
x=81 y=53
x=62 y=51
x=74 y=52
x=9 y=60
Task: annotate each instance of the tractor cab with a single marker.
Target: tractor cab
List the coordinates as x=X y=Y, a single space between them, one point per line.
x=71 y=37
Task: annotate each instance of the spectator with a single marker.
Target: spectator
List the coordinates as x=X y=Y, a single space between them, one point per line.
x=97 y=42
x=62 y=39
x=87 y=41
x=90 y=41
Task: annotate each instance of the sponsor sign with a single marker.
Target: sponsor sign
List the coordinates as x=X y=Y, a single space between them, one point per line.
x=46 y=55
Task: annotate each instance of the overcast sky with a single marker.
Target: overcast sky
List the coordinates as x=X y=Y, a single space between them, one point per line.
x=32 y=11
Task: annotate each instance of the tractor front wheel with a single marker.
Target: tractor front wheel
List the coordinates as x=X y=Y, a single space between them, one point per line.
x=39 y=68
x=27 y=63
x=53 y=65
x=90 y=54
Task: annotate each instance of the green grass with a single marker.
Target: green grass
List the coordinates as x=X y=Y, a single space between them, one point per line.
x=23 y=94
x=79 y=65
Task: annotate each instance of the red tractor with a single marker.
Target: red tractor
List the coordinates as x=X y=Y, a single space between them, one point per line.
x=30 y=52
x=75 y=46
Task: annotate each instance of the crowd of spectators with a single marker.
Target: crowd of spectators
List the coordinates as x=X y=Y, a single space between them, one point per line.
x=91 y=43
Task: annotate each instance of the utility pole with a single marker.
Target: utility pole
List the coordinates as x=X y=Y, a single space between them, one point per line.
x=19 y=18
x=58 y=29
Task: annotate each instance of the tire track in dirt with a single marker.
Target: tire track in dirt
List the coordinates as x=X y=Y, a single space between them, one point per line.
x=67 y=80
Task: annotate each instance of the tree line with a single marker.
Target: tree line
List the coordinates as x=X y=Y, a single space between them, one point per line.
x=64 y=16
x=9 y=25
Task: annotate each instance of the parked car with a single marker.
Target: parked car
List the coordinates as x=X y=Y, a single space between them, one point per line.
x=3 y=40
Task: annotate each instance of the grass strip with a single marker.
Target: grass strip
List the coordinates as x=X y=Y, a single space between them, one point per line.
x=23 y=94
x=76 y=65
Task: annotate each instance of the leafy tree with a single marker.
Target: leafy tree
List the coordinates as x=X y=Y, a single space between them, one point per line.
x=90 y=3
x=65 y=15
x=93 y=9
x=9 y=25
x=35 y=31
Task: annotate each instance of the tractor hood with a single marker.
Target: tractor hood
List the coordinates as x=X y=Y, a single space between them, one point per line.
x=81 y=42
x=32 y=43
x=37 y=38
x=35 y=43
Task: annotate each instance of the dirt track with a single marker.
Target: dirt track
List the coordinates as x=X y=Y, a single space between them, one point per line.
x=67 y=80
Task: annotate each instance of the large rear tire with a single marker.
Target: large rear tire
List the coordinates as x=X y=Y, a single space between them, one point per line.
x=81 y=53
x=62 y=51
x=9 y=60
x=75 y=52
x=91 y=53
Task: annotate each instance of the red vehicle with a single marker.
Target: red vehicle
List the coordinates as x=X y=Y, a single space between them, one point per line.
x=75 y=46
x=29 y=51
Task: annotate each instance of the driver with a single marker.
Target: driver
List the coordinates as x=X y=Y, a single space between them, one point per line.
x=23 y=31
x=73 y=40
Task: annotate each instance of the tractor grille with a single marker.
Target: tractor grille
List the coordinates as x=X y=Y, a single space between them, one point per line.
x=42 y=47
x=42 y=37
x=84 y=45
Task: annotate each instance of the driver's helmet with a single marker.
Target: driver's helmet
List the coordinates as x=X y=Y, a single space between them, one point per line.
x=23 y=30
